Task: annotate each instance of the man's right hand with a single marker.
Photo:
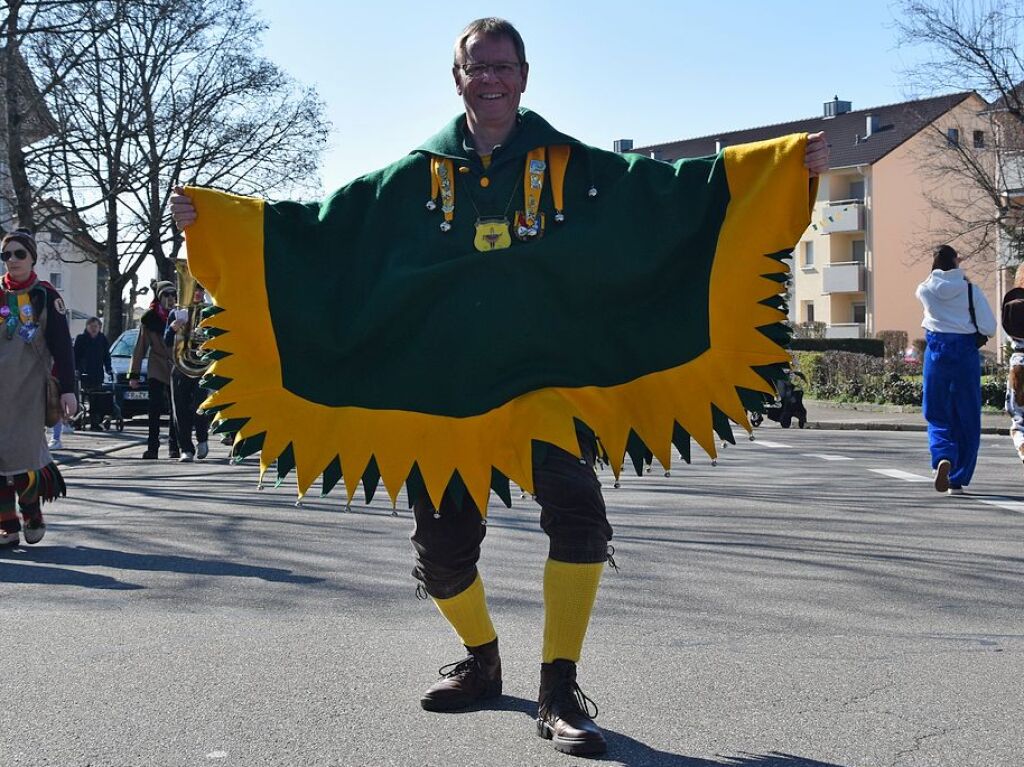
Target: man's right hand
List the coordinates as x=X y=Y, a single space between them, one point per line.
x=133 y=383
x=182 y=210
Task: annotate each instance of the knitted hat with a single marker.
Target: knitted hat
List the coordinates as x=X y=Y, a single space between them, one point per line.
x=1013 y=312
x=164 y=287
x=24 y=236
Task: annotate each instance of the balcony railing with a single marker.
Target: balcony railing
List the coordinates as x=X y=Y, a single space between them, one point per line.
x=842 y=216
x=845 y=277
x=845 y=330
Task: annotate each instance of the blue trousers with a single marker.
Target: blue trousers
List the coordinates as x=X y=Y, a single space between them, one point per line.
x=952 y=402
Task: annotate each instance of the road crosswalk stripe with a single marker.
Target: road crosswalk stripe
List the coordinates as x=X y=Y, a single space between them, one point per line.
x=1017 y=506
x=827 y=456
x=906 y=475
x=766 y=443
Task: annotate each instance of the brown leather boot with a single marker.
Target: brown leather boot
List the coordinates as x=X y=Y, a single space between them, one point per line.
x=467 y=681
x=563 y=712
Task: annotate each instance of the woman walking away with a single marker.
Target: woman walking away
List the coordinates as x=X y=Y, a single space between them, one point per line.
x=956 y=314
x=34 y=338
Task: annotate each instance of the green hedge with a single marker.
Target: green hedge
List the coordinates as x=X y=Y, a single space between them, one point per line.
x=847 y=377
x=874 y=347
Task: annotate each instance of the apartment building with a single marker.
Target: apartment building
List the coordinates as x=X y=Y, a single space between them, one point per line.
x=875 y=219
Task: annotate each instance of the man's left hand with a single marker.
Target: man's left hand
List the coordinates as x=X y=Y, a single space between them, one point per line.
x=816 y=154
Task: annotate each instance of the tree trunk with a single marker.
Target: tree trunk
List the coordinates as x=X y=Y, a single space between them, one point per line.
x=15 y=117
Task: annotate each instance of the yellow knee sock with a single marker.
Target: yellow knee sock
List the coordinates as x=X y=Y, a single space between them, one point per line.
x=569 y=592
x=467 y=612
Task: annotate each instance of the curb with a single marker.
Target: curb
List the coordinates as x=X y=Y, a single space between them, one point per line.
x=881 y=426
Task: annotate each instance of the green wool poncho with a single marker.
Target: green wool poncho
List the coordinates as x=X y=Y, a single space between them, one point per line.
x=356 y=339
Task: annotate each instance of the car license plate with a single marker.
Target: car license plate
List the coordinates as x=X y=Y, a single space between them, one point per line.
x=136 y=395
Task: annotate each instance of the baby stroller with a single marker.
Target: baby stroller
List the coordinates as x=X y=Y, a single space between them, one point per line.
x=788 y=404
x=98 y=408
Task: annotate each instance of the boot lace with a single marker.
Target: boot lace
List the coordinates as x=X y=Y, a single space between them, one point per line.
x=568 y=693
x=458 y=668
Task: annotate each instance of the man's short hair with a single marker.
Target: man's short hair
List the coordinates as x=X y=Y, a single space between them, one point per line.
x=493 y=27
x=97 y=320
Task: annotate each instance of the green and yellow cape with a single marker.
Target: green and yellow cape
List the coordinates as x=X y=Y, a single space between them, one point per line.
x=355 y=340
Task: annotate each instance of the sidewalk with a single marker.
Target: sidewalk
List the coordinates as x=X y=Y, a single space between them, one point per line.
x=867 y=417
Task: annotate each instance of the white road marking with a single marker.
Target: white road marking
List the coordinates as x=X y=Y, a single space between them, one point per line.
x=827 y=456
x=1017 y=506
x=897 y=474
x=766 y=443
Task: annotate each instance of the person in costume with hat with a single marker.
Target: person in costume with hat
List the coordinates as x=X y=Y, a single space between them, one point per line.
x=1013 y=323
x=464 y=283
x=956 y=316
x=34 y=340
x=150 y=341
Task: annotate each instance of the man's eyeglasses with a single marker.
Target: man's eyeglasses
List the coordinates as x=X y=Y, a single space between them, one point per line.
x=500 y=69
x=19 y=253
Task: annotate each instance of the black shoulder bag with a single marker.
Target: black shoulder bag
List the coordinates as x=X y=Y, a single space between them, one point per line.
x=980 y=339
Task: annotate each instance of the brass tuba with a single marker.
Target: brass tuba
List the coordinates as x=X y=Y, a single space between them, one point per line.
x=188 y=341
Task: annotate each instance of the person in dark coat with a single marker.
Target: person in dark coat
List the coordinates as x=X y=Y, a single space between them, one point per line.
x=92 y=359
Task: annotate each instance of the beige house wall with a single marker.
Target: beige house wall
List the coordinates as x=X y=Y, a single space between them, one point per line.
x=906 y=225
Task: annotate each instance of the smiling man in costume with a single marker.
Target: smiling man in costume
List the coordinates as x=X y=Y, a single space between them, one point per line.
x=464 y=283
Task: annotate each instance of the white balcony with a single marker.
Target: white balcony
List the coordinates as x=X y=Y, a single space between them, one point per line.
x=845 y=330
x=846 y=277
x=842 y=216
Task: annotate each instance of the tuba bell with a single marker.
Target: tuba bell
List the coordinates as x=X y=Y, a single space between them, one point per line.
x=188 y=341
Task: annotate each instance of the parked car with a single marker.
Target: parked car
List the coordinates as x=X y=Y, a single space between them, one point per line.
x=131 y=401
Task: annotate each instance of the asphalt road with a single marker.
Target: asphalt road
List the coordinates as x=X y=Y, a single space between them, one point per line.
x=810 y=601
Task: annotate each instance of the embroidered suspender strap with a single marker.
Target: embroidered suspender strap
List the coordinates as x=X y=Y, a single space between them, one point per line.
x=533 y=184
x=442 y=178
x=558 y=157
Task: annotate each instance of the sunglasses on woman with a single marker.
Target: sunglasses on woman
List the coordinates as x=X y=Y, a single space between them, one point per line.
x=19 y=253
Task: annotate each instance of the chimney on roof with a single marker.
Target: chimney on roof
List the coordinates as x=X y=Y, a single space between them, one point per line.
x=835 y=107
x=718 y=145
x=870 y=125
x=622 y=145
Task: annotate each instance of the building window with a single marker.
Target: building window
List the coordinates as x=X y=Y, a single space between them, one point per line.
x=857 y=190
x=859 y=252
x=808 y=261
x=860 y=313
x=808 y=311
x=953 y=137
x=56 y=235
x=57 y=280
x=979 y=139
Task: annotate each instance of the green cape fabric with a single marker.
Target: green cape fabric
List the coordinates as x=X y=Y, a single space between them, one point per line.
x=374 y=306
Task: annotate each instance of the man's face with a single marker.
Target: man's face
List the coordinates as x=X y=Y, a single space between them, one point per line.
x=168 y=299
x=92 y=328
x=491 y=99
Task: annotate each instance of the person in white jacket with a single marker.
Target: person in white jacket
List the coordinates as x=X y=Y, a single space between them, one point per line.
x=952 y=369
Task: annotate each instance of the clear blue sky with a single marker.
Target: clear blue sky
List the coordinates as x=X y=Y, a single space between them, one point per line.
x=647 y=70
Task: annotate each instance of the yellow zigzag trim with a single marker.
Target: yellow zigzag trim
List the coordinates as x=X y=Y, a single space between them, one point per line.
x=765 y=216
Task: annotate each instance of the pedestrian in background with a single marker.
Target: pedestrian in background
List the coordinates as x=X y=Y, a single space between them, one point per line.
x=158 y=372
x=92 y=359
x=186 y=393
x=1013 y=324
x=956 y=315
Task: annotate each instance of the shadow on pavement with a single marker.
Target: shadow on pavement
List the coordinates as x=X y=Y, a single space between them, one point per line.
x=631 y=752
x=56 y=576
x=85 y=556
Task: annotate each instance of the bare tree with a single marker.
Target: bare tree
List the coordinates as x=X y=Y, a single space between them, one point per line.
x=25 y=116
x=973 y=45
x=174 y=91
